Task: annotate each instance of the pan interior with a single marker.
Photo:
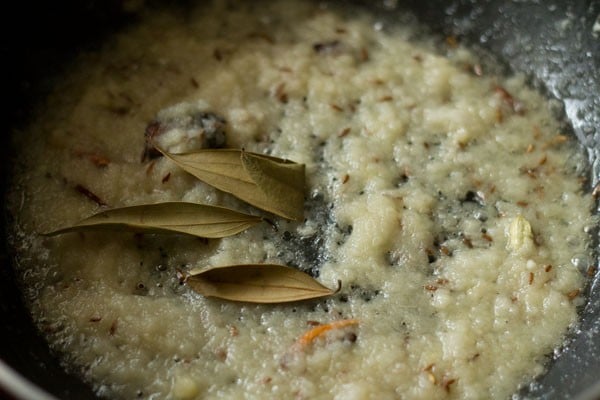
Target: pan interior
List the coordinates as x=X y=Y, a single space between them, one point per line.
x=507 y=31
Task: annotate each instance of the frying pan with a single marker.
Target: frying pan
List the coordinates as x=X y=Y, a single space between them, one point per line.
x=556 y=43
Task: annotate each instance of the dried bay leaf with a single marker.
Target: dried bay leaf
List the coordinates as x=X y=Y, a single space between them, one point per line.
x=180 y=217
x=269 y=183
x=283 y=186
x=257 y=283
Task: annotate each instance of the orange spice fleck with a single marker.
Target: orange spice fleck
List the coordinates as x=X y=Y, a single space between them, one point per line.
x=539 y=190
x=113 y=328
x=560 y=139
x=446 y=384
x=573 y=294
x=505 y=96
x=467 y=242
x=452 y=41
x=221 y=354
x=98 y=160
x=556 y=141
x=344 y=132
x=233 y=331
x=364 y=54
x=280 y=93
x=318 y=331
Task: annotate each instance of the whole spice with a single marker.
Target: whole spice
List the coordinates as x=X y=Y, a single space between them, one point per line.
x=188 y=218
x=270 y=183
x=257 y=283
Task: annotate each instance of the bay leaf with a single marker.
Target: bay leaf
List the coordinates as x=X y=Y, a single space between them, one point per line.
x=181 y=217
x=257 y=283
x=269 y=183
x=282 y=184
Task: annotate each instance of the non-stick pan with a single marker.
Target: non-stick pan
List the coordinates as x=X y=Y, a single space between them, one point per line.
x=556 y=43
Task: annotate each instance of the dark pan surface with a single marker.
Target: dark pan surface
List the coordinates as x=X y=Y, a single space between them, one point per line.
x=557 y=43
